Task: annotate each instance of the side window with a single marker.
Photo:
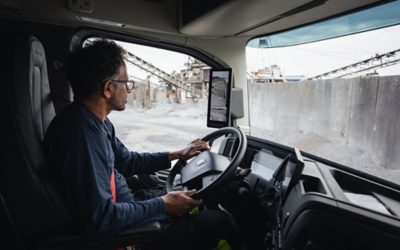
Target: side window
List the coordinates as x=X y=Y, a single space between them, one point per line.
x=168 y=107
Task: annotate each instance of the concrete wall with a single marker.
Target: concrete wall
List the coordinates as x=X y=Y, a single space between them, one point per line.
x=360 y=113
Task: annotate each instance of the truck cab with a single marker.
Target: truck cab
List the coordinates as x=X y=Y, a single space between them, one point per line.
x=297 y=99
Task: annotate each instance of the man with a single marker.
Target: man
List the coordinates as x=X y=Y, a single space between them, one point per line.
x=91 y=160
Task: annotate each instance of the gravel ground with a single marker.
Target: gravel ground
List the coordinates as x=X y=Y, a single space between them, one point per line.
x=165 y=128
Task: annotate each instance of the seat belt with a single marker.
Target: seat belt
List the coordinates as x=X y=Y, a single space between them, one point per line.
x=114 y=199
x=112 y=185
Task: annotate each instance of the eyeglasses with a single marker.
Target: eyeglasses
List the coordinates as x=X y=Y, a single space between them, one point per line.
x=129 y=84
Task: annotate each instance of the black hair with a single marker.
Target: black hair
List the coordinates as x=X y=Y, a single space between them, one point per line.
x=88 y=67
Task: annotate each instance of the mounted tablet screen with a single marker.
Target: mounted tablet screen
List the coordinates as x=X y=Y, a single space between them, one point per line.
x=271 y=168
x=219 y=92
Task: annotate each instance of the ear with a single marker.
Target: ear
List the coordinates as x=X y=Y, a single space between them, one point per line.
x=108 y=89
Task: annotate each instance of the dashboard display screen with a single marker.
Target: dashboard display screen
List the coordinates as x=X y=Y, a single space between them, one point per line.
x=266 y=165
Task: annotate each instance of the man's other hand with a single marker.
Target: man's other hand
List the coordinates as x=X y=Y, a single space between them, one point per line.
x=178 y=203
x=194 y=148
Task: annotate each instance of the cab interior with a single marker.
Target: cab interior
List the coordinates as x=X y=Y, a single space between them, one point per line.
x=280 y=196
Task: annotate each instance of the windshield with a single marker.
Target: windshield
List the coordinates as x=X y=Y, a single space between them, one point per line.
x=369 y=19
x=336 y=98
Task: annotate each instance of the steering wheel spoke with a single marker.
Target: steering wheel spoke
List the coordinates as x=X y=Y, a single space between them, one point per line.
x=207 y=180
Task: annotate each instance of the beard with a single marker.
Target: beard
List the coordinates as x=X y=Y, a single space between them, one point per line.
x=118 y=105
x=119 y=108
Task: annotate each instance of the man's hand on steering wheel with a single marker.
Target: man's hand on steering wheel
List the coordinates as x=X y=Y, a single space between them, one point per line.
x=194 y=148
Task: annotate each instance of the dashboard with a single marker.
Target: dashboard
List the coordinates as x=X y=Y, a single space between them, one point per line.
x=312 y=204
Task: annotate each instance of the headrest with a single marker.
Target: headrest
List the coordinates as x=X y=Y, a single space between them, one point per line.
x=37 y=52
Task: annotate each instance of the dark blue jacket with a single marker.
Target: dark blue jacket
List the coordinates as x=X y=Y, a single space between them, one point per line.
x=84 y=151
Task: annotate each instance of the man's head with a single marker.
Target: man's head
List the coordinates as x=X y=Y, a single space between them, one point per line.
x=99 y=70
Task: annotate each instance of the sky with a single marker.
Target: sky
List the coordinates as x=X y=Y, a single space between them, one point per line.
x=319 y=57
x=307 y=60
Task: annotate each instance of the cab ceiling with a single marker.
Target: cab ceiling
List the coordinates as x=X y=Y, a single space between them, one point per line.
x=234 y=18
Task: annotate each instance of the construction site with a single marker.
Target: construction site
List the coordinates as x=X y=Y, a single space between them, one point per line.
x=186 y=85
x=173 y=110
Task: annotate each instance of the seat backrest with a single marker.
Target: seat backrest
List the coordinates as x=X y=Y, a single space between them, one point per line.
x=36 y=106
x=39 y=87
x=33 y=197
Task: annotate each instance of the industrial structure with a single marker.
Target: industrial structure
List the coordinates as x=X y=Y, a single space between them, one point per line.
x=365 y=67
x=190 y=82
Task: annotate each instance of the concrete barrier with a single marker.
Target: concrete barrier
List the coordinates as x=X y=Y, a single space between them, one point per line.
x=361 y=113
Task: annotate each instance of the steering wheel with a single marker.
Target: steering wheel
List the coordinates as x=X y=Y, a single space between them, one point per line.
x=209 y=170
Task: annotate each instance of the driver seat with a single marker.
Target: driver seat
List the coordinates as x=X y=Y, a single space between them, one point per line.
x=34 y=200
